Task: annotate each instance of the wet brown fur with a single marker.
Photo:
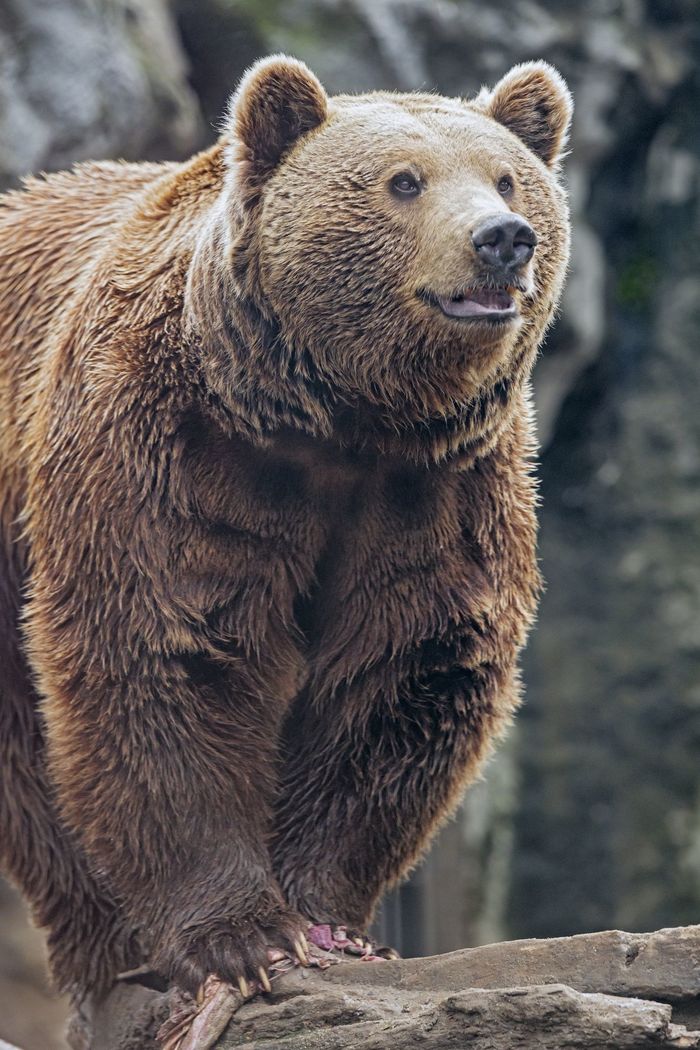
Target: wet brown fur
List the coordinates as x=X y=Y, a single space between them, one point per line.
x=268 y=517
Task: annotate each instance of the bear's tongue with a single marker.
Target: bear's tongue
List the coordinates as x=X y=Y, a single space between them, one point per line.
x=476 y=302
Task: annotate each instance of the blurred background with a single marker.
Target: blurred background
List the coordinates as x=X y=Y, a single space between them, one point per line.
x=589 y=816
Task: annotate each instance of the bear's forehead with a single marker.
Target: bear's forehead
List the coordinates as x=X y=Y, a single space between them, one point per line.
x=409 y=102
x=388 y=120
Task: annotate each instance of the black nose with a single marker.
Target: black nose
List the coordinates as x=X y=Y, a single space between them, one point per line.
x=505 y=242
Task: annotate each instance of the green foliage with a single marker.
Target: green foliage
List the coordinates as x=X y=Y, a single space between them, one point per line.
x=637 y=280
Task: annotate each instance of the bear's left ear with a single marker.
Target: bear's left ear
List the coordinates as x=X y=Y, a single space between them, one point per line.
x=533 y=102
x=278 y=100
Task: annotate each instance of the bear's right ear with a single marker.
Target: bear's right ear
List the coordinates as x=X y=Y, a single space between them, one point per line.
x=278 y=100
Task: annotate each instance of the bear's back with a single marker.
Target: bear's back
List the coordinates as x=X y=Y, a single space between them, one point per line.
x=51 y=233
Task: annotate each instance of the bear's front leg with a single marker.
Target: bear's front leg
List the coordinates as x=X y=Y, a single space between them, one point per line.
x=369 y=778
x=414 y=674
x=165 y=772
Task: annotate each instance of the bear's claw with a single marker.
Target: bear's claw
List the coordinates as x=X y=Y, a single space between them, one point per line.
x=301 y=950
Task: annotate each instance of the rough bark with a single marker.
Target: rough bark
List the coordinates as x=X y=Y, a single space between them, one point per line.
x=608 y=990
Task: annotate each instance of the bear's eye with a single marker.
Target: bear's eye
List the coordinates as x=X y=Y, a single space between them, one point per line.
x=405 y=185
x=505 y=185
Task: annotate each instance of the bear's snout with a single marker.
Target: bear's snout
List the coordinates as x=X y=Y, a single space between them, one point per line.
x=505 y=243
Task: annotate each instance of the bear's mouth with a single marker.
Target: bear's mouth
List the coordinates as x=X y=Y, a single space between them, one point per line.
x=475 y=304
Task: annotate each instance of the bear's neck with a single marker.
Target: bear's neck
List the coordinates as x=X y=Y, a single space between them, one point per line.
x=244 y=404
x=458 y=438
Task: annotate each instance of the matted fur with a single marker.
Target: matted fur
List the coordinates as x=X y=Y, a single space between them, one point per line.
x=268 y=518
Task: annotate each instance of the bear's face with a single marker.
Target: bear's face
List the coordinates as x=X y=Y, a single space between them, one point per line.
x=409 y=249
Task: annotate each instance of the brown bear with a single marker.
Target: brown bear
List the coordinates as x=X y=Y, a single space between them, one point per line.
x=268 y=530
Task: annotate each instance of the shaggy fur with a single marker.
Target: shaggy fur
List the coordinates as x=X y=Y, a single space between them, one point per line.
x=268 y=532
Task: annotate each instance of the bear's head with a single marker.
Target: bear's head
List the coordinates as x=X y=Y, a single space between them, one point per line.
x=382 y=267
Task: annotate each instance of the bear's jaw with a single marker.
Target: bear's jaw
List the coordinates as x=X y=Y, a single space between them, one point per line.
x=475 y=304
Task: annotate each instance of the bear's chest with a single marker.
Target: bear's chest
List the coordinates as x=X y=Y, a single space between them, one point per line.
x=360 y=557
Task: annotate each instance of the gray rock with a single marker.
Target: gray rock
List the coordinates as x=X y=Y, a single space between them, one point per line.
x=81 y=79
x=609 y=990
